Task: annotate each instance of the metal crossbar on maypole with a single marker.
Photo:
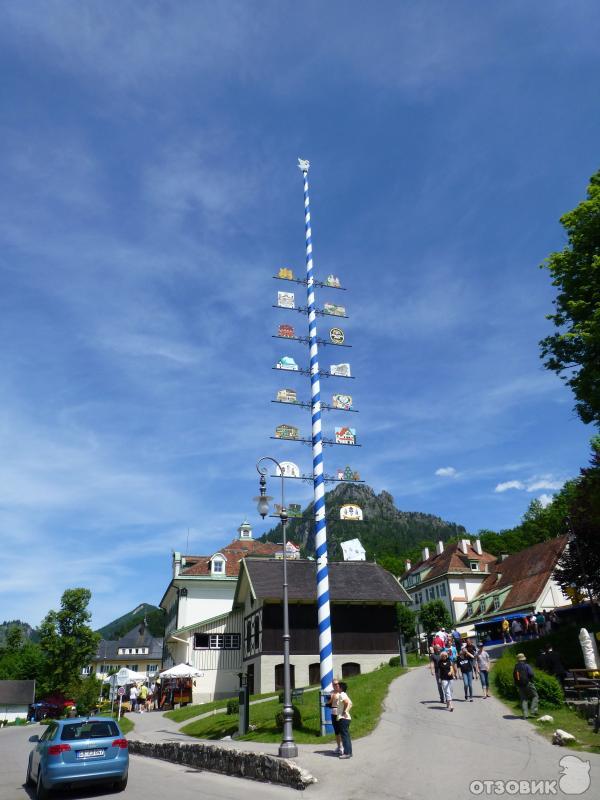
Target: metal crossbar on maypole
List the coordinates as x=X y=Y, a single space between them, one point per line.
x=323 y=606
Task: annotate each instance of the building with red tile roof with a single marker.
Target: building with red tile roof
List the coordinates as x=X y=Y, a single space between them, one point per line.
x=453 y=574
x=519 y=584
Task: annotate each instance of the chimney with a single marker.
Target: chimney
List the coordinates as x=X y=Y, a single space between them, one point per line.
x=464 y=545
x=504 y=556
x=176 y=564
x=478 y=548
x=439 y=548
x=408 y=565
x=425 y=553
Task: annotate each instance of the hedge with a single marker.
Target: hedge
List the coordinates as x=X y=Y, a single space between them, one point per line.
x=548 y=688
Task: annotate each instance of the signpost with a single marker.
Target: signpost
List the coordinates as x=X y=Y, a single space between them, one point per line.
x=121 y=693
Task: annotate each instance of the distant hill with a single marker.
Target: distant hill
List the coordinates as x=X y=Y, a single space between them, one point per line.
x=385 y=531
x=28 y=631
x=119 y=627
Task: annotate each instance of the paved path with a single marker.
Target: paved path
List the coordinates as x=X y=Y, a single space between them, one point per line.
x=419 y=747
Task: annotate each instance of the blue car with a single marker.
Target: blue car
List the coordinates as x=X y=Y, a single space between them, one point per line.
x=80 y=750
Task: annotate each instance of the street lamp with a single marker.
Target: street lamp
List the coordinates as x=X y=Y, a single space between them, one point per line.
x=287 y=748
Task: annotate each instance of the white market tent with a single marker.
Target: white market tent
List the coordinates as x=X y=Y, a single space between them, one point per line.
x=182 y=671
x=125 y=676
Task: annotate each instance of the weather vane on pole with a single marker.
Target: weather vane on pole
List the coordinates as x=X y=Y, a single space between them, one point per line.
x=303 y=165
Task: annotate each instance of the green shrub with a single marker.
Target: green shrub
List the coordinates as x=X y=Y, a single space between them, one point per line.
x=394 y=661
x=233 y=706
x=296 y=719
x=548 y=688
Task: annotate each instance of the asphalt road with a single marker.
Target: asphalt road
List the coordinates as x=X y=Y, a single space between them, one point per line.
x=148 y=779
x=419 y=751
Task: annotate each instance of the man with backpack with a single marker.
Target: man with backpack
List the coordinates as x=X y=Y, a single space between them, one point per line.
x=523 y=678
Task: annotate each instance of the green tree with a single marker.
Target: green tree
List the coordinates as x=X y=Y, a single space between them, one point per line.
x=573 y=351
x=87 y=694
x=67 y=640
x=406 y=620
x=434 y=615
x=580 y=565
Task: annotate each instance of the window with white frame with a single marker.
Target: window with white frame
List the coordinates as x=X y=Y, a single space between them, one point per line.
x=152 y=668
x=475 y=566
x=469 y=608
x=86 y=671
x=217 y=641
x=496 y=603
x=481 y=606
x=217 y=565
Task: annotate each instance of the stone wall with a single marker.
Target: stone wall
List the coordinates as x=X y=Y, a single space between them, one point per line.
x=242 y=764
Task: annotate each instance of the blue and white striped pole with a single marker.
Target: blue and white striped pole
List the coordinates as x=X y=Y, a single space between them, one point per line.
x=323 y=610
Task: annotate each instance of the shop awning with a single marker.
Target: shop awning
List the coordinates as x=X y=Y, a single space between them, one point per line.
x=518 y=615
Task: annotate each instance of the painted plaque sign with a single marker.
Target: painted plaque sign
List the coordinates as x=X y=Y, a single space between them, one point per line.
x=345 y=435
x=286 y=432
x=341 y=370
x=289 y=469
x=336 y=336
x=350 y=511
x=287 y=396
x=293 y=509
x=347 y=474
x=331 y=308
x=286 y=300
x=343 y=401
x=333 y=280
x=286 y=273
x=353 y=550
x=286 y=330
x=287 y=362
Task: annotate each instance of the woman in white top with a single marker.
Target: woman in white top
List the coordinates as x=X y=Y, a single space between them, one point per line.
x=343 y=715
x=333 y=705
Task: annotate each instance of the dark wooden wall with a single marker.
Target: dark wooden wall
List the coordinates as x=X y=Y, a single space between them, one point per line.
x=355 y=629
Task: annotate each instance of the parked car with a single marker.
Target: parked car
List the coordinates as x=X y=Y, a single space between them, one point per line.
x=80 y=750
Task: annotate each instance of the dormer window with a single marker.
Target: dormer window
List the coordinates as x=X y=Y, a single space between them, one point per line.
x=217 y=565
x=475 y=566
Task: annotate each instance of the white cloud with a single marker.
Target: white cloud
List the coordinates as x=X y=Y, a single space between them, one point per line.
x=546 y=499
x=503 y=487
x=446 y=472
x=544 y=483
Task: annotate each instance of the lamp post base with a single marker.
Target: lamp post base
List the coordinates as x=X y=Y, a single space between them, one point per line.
x=288 y=750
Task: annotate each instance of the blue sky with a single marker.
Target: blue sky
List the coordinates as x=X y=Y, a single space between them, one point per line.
x=150 y=192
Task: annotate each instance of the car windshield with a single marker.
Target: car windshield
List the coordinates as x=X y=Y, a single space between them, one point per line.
x=89 y=730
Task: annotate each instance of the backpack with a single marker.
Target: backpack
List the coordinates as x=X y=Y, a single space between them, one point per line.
x=521 y=674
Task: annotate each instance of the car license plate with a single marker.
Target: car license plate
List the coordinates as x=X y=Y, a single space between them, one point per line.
x=89 y=753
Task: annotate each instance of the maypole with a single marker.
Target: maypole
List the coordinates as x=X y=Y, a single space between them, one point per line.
x=323 y=609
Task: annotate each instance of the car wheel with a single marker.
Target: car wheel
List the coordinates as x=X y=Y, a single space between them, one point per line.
x=41 y=793
x=120 y=786
x=28 y=779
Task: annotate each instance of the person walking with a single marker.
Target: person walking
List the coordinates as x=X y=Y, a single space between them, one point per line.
x=133 y=697
x=143 y=698
x=465 y=664
x=472 y=649
x=523 y=677
x=452 y=656
x=483 y=665
x=434 y=668
x=516 y=630
x=445 y=671
x=333 y=705
x=344 y=719
x=506 y=637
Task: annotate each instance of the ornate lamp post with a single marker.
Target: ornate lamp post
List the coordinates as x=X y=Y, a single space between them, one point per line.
x=287 y=748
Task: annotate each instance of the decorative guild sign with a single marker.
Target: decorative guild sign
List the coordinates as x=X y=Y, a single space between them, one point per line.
x=287 y=396
x=352 y=512
x=347 y=475
x=286 y=299
x=333 y=280
x=341 y=370
x=287 y=362
x=343 y=401
x=286 y=274
x=289 y=469
x=286 y=330
x=286 y=432
x=330 y=308
x=345 y=435
x=336 y=335
x=293 y=509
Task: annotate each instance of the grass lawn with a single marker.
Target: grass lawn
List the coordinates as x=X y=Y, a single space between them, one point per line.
x=567 y=720
x=415 y=660
x=187 y=712
x=367 y=691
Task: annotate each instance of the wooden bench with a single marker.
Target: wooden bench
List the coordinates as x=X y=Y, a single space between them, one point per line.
x=578 y=684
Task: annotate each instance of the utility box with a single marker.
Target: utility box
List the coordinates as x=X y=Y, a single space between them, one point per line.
x=325 y=713
x=244 y=710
